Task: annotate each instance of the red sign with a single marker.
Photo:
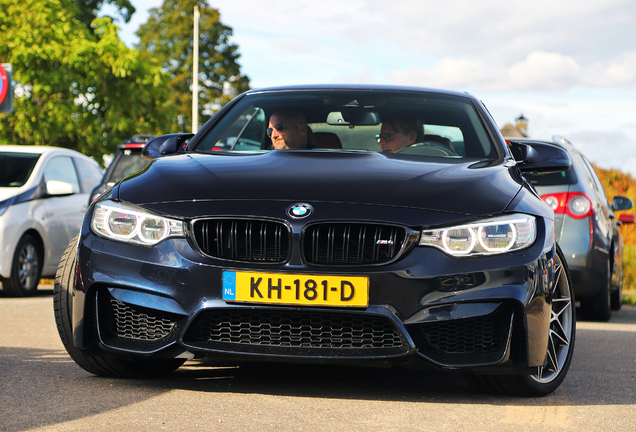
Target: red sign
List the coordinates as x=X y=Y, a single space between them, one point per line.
x=4 y=83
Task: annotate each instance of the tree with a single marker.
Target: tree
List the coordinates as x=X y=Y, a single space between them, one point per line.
x=168 y=37
x=87 y=9
x=75 y=88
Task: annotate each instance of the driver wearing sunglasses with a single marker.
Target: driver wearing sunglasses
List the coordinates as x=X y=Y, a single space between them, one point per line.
x=288 y=131
x=399 y=132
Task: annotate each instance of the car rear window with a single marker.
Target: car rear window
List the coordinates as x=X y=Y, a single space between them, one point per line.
x=552 y=179
x=128 y=162
x=16 y=168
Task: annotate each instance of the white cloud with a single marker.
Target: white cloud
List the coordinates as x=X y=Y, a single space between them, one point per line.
x=543 y=71
x=608 y=149
x=619 y=73
x=502 y=31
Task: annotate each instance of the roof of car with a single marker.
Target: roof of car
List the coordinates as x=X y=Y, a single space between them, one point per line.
x=44 y=150
x=36 y=149
x=136 y=141
x=374 y=87
x=556 y=140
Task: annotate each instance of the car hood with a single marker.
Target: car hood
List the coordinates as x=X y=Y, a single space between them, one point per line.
x=6 y=193
x=18 y=195
x=323 y=176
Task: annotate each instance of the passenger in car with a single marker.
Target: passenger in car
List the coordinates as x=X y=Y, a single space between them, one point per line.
x=398 y=132
x=289 y=131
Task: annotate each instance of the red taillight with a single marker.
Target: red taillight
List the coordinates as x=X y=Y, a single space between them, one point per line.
x=135 y=145
x=574 y=204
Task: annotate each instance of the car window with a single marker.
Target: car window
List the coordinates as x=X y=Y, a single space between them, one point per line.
x=90 y=176
x=596 y=181
x=16 y=168
x=128 y=162
x=552 y=179
x=350 y=120
x=61 y=168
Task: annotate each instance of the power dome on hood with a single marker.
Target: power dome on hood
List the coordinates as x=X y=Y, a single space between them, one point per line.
x=369 y=178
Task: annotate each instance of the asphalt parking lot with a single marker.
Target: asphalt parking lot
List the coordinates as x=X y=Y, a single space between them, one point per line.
x=42 y=389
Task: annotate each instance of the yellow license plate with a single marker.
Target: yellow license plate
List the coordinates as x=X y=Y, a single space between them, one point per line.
x=295 y=289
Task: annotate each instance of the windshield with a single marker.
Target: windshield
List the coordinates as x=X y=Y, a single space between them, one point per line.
x=16 y=168
x=409 y=124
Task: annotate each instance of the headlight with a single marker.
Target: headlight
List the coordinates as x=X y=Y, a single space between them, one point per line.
x=130 y=224
x=488 y=237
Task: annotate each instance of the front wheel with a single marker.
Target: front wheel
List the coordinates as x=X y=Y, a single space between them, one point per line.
x=560 y=346
x=98 y=365
x=26 y=268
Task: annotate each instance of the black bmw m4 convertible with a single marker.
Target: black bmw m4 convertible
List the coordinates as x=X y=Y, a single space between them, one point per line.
x=364 y=225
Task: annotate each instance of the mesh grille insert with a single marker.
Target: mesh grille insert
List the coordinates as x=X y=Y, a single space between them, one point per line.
x=471 y=335
x=131 y=322
x=294 y=329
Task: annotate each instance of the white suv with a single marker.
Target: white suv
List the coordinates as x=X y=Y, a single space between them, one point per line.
x=43 y=197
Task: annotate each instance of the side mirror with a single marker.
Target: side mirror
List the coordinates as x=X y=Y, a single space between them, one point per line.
x=622 y=203
x=538 y=157
x=626 y=218
x=165 y=145
x=59 y=188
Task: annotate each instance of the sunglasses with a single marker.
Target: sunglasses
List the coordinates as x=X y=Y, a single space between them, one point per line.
x=279 y=127
x=385 y=136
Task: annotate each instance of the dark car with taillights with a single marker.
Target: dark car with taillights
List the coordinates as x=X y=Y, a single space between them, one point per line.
x=438 y=254
x=127 y=160
x=587 y=229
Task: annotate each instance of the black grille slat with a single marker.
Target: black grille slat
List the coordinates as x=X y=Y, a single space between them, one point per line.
x=352 y=244
x=243 y=240
x=294 y=329
x=323 y=244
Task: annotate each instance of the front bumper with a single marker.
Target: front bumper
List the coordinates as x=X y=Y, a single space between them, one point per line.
x=165 y=301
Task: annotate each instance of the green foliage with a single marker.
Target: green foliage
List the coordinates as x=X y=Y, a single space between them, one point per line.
x=629 y=267
x=616 y=183
x=75 y=88
x=168 y=38
x=629 y=300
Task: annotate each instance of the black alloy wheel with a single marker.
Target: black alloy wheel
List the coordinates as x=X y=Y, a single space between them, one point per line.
x=560 y=346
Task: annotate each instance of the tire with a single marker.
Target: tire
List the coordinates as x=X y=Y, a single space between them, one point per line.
x=26 y=268
x=598 y=307
x=560 y=347
x=616 y=299
x=96 y=364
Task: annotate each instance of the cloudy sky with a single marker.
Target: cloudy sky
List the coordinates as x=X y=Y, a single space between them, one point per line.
x=568 y=66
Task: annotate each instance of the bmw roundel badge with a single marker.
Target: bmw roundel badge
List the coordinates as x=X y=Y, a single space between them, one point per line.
x=298 y=211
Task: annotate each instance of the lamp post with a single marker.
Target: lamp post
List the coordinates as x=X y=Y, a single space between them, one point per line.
x=195 y=73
